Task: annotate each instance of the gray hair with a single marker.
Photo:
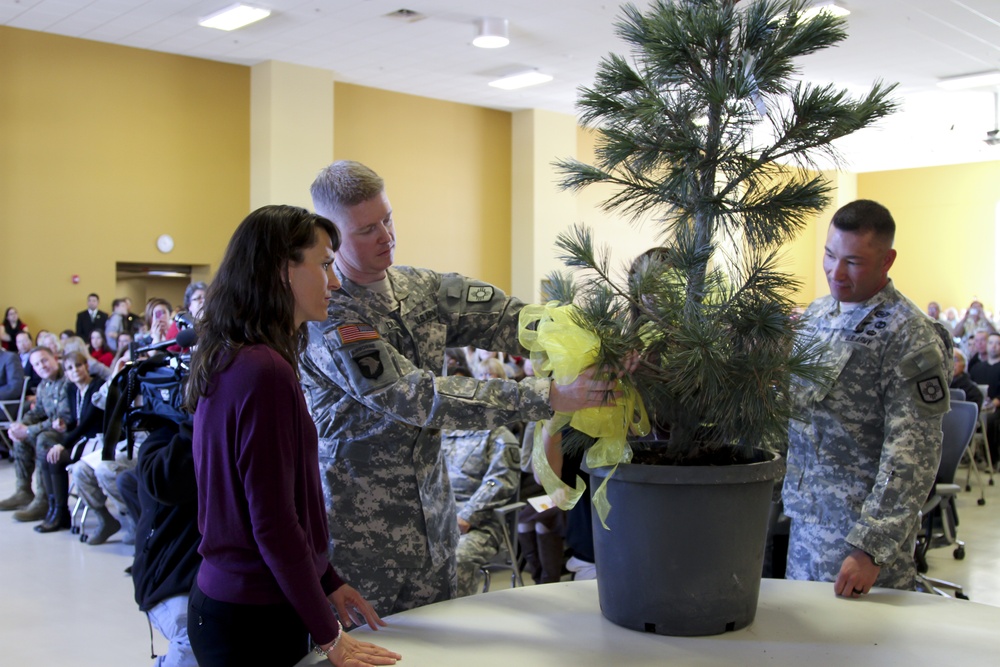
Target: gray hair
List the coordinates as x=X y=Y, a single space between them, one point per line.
x=191 y=289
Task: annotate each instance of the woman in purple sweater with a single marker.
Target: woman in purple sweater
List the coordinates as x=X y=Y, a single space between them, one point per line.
x=266 y=585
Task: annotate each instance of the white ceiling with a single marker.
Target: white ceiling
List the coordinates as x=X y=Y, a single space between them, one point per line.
x=913 y=42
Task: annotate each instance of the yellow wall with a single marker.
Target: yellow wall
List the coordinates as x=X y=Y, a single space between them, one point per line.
x=447 y=173
x=102 y=149
x=946 y=219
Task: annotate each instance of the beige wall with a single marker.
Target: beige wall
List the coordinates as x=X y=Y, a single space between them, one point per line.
x=447 y=173
x=102 y=149
x=946 y=231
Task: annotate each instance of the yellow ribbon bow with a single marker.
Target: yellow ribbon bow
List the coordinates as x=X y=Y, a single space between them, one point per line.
x=560 y=347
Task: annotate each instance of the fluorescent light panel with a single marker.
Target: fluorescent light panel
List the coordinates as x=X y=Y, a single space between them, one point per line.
x=521 y=80
x=233 y=17
x=968 y=81
x=829 y=7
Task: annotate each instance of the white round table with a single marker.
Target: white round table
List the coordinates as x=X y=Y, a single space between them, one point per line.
x=798 y=624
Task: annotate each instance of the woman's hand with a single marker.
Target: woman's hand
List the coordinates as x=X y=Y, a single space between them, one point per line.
x=58 y=424
x=353 y=653
x=354 y=609
x=52 y=456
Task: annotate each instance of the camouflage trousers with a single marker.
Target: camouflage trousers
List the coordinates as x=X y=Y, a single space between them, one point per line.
x=30 y=452
x=391 y=590
x=816 y=552
x=476 y=548
x=96 y=485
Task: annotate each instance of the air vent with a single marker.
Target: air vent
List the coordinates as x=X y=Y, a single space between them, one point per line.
x=406 y=15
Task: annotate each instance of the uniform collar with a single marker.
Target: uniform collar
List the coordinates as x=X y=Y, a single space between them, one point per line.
x=856 y=316
x=356 y=291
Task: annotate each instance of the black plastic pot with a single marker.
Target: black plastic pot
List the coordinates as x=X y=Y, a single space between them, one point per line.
x=684 y=551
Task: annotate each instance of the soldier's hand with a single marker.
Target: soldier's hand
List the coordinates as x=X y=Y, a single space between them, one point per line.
x=354 y=609
x=857 y=575
x=589 y=390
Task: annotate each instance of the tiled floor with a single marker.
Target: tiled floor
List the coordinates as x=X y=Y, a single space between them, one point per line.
x=62 y=601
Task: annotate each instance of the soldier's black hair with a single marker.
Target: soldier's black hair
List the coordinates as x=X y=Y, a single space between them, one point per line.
x=865 y=215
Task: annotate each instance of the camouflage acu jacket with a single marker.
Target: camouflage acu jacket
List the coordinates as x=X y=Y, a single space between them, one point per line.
x=865 y=455
x=370 y=376
x=51 y=402
x=485 y=472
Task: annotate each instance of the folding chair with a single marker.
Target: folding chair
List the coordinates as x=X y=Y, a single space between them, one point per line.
x=11 y=410
x=980 y=440
x=508 y=558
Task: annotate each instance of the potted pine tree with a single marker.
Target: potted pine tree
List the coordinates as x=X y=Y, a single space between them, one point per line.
x=704 y=130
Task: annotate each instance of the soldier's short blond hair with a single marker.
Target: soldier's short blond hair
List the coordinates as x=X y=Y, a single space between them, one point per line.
x=344 y=183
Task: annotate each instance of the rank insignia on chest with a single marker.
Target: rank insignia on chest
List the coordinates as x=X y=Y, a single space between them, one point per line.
x=353 y=333
x=480 y=293
x=369 y=364
x=931 y=390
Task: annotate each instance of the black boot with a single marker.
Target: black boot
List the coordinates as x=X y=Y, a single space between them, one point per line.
x=551 y=553
x=61 y=518
x=529 y=552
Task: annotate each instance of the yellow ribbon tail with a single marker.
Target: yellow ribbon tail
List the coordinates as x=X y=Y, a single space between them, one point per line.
x=601 y=503
x=564 y=497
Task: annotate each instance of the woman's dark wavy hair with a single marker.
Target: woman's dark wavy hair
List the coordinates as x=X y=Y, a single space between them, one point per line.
x=249 y=301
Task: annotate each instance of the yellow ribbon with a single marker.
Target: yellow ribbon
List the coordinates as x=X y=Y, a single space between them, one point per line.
x=561 y=348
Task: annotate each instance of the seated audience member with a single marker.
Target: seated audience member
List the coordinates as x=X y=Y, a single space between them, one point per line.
x=194 y=300
x=977 y=348
x=11 y=376
x=77 y=344
x=934 y=311
x=972 y=321
x=988 y=373
x=96 y=485
x=24 y=345
x=12 y=325
x=579 y=533
x=484 y=470
x=962 y=380
x=490 y=368
x=950 y=319
x=157 y=322
x=35 y=434
x=66 y=334
x=167 y=538
x=99 y=348
x=51 y=341
x=86 y=422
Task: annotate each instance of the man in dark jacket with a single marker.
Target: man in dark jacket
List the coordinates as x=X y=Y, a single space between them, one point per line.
x=167 y=538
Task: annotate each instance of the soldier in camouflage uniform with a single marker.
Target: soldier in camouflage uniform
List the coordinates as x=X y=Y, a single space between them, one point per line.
x=862 y=460
x=370 y=376
x=35 y=434
x=484 y=470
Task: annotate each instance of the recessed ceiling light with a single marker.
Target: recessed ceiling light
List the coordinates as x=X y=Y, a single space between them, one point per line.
x=233 y=17
x=492 y=33
x=521 y=80
x=967 y=81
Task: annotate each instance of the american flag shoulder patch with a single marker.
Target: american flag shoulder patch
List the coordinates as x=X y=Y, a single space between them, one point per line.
x=352 y=333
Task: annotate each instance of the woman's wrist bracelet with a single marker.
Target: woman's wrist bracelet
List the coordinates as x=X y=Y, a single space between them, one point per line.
x=319 y=650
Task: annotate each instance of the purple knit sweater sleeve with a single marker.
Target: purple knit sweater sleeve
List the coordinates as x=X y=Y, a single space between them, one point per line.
x=261 y=508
